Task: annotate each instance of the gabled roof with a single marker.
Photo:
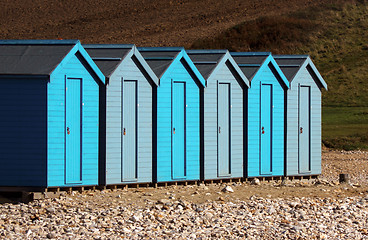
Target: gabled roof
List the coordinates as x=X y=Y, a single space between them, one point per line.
x=291 y=64
x=206 y=60
x=161 y=58
x=251 y=63
x=109 y=56
x=106 y=56
x=209 y=61
x=32 y=57
x=39 y=57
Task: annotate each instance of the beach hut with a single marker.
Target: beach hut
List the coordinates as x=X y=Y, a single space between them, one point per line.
x=266 y=113
x=49 y=114
x=126 y=114
x=178 y=114
x=224 y=114
x=303 y=139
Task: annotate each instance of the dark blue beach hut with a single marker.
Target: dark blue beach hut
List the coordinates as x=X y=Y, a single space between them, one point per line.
x=49 y=114
x=126 y=114
x=178 y=114
x=303 y=139
x=224 y=112
x=266 y=113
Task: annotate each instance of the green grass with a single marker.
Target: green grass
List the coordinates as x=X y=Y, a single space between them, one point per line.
x=336 y=37
x=345 y=128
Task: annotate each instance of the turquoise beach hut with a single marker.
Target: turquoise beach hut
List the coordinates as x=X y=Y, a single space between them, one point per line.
x=266 y=113
x=178 y=114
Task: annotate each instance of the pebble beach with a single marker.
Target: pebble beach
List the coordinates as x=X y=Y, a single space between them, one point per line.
x=310 y=209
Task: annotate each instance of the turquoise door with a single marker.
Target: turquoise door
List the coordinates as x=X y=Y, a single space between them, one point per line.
x=223 y=135
x=266 y=129
x=178 y=131
x=304 y=129
x=73 y=132
x=129 y=131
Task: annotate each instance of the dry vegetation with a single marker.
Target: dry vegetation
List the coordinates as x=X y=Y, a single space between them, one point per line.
x=148 y=23
x=334 y=34
x=263 y=34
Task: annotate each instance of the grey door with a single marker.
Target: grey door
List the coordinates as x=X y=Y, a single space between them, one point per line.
x=304 y=129
x=223 y=130
x=129 y=131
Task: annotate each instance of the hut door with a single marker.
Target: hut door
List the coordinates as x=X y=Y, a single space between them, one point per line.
x=304 y=129
x=129 y=131
x=223 y=129
x=178 y=131
x=266 y=129
x=73 y=130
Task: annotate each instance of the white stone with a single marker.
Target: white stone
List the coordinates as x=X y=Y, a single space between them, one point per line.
x=228 y=189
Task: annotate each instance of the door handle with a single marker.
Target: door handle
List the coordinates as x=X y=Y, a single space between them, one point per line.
x=301 y=130
x=174 y=130
x=263 y=130
x=68 y=130
x=219 y=129
x=124 y=131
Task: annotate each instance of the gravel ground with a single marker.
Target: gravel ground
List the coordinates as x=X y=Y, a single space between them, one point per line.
x=308 y=209
x=354 y=163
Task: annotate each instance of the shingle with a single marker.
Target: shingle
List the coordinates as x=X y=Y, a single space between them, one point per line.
x=159 y=60
x=250 y=59
x=107 y=59
x=205 y=69
x=205 y=62
x=290 y=65
x=158 y=67
x=290 y=61
x=249 y=63
x=289 y=72
x=31 y=59
x=211 y=57
x=249 y=71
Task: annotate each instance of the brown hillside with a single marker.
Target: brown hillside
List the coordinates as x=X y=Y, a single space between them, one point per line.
x=145 y=23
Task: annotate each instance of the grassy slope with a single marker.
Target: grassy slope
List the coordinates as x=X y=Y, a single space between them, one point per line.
x=345 y=127
x=340 y=51
x=335 y=35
